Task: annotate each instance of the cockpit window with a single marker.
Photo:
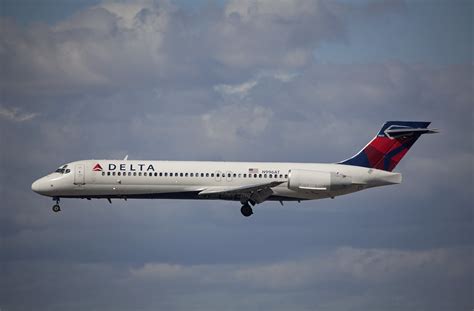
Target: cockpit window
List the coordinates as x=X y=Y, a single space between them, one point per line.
x=62 y=169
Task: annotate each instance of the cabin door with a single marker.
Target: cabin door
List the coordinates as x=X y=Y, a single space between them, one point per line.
x=79 y=174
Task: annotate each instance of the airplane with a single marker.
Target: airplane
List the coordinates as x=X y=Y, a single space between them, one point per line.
x=250 y=183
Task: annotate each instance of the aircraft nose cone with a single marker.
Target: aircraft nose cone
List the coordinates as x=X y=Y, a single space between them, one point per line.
x=38 y=186
x=35 y=186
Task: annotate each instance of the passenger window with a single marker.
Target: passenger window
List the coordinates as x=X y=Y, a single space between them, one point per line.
x=144 y=174
x=202 y=174
x=218 y=175
x=139 y=173
x=212 y=174
x=118 y=173
x=108 y=173
x=161 y=174
x=240 y=175
x=281 y=176
x=245 y=175
x=186 y=174
x=166 y=174
x=191 y=174
x=259 y=175
x=156 y=174
x=286 y=175
x=103 y=173
x=207 y=174
x=270 y=176
x=113 y=173
x=129 y=173
x=265 y=176
x=235 y=175
x=134 y=173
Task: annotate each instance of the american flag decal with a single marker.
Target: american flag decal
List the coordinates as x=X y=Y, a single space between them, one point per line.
x=253 y=170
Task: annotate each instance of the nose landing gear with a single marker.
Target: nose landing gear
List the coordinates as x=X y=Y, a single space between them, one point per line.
x=56 y=207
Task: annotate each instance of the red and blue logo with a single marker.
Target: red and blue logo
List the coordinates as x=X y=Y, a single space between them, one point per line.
x=390 y=145
x=97 y=168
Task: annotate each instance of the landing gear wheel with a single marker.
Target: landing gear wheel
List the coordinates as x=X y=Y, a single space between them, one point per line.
x=246 y=210
x=56 y=208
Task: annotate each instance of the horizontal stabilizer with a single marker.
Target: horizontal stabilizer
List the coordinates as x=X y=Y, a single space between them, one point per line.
x=400 y=132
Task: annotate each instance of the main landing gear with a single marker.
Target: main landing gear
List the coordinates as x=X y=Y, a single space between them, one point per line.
x=56 y=207
x=246 y=210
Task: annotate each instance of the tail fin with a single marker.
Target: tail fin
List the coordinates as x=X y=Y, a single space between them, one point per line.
x=390 y=145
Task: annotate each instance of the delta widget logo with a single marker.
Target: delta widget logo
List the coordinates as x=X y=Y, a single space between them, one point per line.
x=97 y=168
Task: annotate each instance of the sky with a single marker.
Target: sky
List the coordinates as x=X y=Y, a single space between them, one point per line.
x=249 y=80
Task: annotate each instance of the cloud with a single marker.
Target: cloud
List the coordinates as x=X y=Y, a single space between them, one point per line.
x=234 y=122
x=273 y=33
x=89 y=50
x=336 y=278
x=240 y=90
x=345 y=264
x=237 y=81
x=130 y=44
x=358 y=265
x=15 y=114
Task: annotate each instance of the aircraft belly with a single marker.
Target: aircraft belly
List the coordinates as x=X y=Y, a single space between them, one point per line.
x=133 y=190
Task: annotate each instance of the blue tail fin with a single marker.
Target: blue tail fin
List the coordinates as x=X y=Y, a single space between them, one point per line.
x=390 y=145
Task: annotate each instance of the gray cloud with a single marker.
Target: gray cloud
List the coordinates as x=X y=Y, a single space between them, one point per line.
x=237 y=82
x=14 y=114
x=122 y=44
x=276 y=285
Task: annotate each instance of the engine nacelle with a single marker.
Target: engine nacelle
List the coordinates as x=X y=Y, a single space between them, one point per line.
x=317 y=181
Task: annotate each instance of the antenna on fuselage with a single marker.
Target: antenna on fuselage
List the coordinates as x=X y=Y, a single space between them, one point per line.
x=126 y=158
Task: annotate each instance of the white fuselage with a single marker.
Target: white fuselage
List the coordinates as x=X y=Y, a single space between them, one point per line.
x=191 y=179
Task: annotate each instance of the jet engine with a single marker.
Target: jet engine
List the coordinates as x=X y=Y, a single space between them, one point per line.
x=317 y=181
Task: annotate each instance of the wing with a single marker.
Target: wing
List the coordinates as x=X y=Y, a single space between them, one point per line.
x=257 y=193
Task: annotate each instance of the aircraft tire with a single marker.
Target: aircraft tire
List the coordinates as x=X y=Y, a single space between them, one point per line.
x=56 y=208
x=246 y=210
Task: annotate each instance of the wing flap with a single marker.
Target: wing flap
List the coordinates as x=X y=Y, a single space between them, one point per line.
x=257 y=193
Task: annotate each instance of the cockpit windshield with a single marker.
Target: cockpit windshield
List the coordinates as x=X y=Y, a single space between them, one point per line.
x=62 y=170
